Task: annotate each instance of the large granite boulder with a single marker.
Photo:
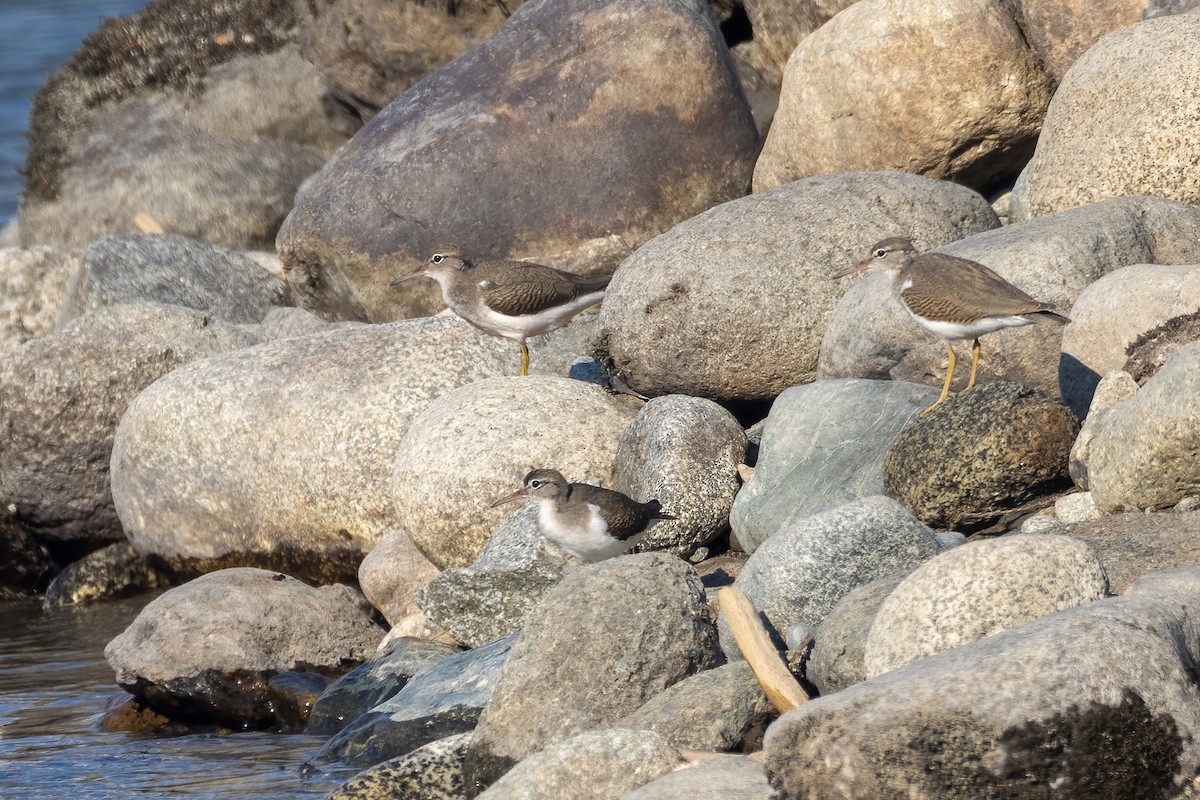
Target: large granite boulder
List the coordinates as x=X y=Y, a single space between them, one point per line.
x=779 y=25
x=1060 y=31
x=580 y=129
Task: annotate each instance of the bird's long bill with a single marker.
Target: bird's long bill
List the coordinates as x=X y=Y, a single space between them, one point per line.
x=861 y=266
x=519 y=494
x=416 y=273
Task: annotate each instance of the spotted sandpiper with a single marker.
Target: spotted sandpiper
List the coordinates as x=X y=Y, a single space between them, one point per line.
x=510 y=299
x=586 y=521
x=953 y=298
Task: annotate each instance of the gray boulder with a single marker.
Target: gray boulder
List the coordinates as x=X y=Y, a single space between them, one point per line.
x=61 y=398
x=431 y=772
x=1113 y=389
x=684 y=452
x=687 y=312
x=575 y=178
x=978 y=590
x=204 y=651
x=840 y=642
x=601 y=643
x=32 y=283
x=1133 y=545
x=723 y=778
x=392 y=573
x=1101 y=706
x=823 y=446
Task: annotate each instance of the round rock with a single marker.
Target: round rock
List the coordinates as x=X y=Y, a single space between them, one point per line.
x=392 y=573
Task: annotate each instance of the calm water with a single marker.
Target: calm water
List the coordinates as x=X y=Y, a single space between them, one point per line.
x=54 y=686
x=36 y=38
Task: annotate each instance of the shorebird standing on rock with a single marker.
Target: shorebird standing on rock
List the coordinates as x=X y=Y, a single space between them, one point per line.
x=586 y=521
x=953 y=298
x=510 y=299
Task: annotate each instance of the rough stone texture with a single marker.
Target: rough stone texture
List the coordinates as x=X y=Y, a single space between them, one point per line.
x=595 y=765
x=798 y=575
x=170 y=270
x=1101 y=706
x=1143 y=453
x=840 y=642
x=684 y=452
x=1113 y=388
x=687 y=312
x=1060 y=31
x=476 y=443
x=205 y=650
x=25 y=564
x=981 y=455
x=61 y=398
x=443 y=699
x=1133 y=545
x=710 y=711
x=32 y=283
x=107 y=574
x=639 y=122
x=978 y=590
x=392 y=572
x=285 y=322
x=431 y=772
x=1121 y=121
x=723 y=778
x=1076 y=507
x=368 y=685
x=780 y=25
x=871 y=336
x=601 y=643
x=1115 y=311
x=300 y=477
x=950 y=90
x=492 y=597
x=1148 y=353
x=822 y=447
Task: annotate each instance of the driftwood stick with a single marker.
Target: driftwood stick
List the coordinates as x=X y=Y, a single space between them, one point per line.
x=781 y=688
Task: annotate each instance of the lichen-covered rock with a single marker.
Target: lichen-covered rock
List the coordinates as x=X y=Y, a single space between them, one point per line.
x=117 y=570
x=431 y=772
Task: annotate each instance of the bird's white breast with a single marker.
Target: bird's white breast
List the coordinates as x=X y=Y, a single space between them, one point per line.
x=522 y=327
x=590 y=541
x=968 y=330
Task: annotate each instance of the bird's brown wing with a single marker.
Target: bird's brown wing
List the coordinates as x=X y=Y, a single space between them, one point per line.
x=625 y=516
x=517 y=288
x=957 y=290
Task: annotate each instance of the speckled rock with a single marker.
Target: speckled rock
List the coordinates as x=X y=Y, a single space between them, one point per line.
x=204 y=651
x=392 y=573
x=444 y=698
x=1143 y=453
x=595 y=765
x=822 y=447
x=685 y=312
x=1119 y=123
x=431 y=772
x=283 y=322
x=366 y=686
x=1119 y=725
x=684 y=452
x=981 y=454
x=640 y=623
x=798 y=575
x=476 y=443
x=32 y=283
x=170 y=270
x=1112 y=389
x=1060 y=31
x=105 y=574
x=780 y=25
x=61 y=398
x=840 y=642
x=973 y=119
x=723 y=778
x=978 y=590
x=1076 y=507
x=1133 y=545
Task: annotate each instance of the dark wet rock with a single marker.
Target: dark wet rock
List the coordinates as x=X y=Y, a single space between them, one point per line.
x=368 y=685
x=684 y=313
x=117 y=570
x=981 y=455
x=204 y=651
x=576 y=178
x=723 y=778
x=713 y=710
x=798 y=575
x=431 y=772
x=61 y=398
x=1146 y=354
x=1133 y=545
x=684 y=452
x=1113 y=388
x=593 y=765
x=131 y=715
x=170 y=270
x=444 y=698
x=292 y=695
x=392 y=573
x=25 y=564
x=840 y=640
x=822 y=447
x=606 y=639
x=1103 y=705
x=978 y=590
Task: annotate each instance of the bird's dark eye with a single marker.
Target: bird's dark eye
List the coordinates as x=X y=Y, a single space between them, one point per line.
x=535 y=484
x=437 y=258
x=880 y=253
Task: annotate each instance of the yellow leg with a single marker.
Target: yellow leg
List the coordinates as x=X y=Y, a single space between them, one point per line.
x=975 y=349
x=946 y=383
x=524 y=359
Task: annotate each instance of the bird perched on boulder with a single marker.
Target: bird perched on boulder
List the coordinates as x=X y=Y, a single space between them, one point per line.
x=510 y=299
x=586 y=521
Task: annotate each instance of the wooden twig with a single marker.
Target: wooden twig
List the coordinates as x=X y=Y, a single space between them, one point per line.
x=781 y=688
